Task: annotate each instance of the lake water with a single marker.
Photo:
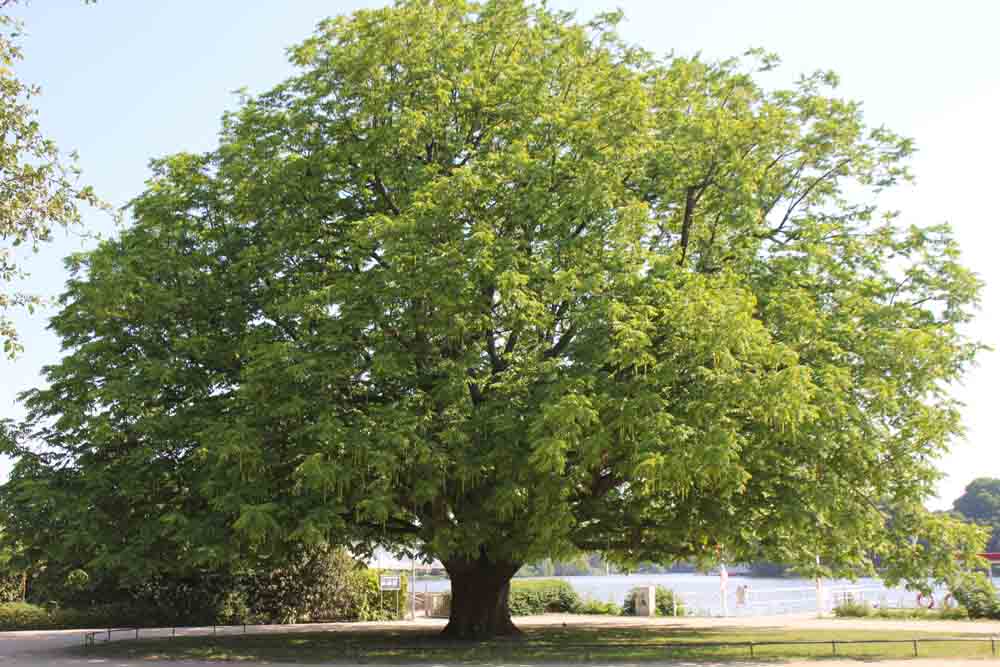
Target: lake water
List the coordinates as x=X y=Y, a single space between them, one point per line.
x=702 y=593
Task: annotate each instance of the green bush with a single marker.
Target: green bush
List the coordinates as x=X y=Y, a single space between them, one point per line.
x=599 y=608
x=664 y=602
x=854 y=609
x=11 y=587
x=954 y=614
x=359 y=600
x=542 y=595
x=25 y=616
x=317 y=583
x=975 y=592
x=323 y=584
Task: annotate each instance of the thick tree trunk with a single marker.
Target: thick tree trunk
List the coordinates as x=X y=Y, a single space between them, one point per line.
x=479 y=590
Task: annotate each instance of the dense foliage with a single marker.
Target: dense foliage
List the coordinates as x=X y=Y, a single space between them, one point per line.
x=542 y=596
x=975 y=592
x=599 y=608
x=11 y=588
x=491 y=285
x=24 y=616
x=319 y=584
x=980 y=504
x=861 y=609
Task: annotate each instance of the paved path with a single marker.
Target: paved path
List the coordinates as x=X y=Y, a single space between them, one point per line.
x=54 y=648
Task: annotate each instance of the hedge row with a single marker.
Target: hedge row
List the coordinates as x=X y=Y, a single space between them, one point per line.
x=24 y=616
x=542 y=596
x=357 y=598
x=363 y=601
x=860 y=609
x=539 y=596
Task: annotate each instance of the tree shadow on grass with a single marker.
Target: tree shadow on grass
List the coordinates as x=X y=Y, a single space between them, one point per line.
x=573 y=643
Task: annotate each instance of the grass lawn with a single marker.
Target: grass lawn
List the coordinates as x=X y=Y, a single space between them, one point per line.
x=906 y=615
x=575 y=644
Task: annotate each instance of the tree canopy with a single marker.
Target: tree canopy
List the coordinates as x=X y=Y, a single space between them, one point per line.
x=487 y=283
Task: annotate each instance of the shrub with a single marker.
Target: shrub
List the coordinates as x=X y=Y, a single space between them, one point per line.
x=323 y=584
x=542 y=595
x=858 y=610
x=599 y=608
x=954 y=614
x=320 y=585
x=332 y=589
x=664 y=602
x=11 y=587
x=975 y=592
x=23 y=616
x=849 y=608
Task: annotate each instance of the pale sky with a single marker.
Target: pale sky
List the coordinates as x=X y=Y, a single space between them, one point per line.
x=128 y=80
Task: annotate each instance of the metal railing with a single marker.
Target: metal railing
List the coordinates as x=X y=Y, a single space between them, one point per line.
x=91 y=637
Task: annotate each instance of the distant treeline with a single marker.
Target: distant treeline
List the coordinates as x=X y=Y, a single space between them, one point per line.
x=595 y=564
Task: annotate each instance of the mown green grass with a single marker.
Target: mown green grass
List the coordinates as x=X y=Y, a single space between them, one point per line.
x=575 y=644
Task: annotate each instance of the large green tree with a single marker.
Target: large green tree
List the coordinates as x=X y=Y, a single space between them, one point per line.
x=981 y=504
x=488 y=284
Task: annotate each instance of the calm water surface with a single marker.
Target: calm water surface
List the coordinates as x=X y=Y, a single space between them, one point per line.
x=702 y=593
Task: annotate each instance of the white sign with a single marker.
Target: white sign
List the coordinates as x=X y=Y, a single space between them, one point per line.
x=389 y=582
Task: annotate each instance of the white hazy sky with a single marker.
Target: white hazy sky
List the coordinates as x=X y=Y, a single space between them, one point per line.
x=128 y=80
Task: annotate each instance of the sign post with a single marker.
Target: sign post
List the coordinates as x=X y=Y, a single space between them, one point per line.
x=390 y=582
x=413 y=589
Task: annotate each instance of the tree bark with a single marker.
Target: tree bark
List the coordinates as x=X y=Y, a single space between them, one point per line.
x=479 y=591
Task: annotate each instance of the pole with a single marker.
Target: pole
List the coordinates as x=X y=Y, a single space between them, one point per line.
x=723 y=588
x=819 y=591
x=413 y=589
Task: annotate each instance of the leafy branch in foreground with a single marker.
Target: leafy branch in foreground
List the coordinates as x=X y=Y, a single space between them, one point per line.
x=39 y=189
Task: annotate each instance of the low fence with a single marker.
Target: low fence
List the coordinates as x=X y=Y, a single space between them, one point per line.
x=834 y=644
x=92 y=637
